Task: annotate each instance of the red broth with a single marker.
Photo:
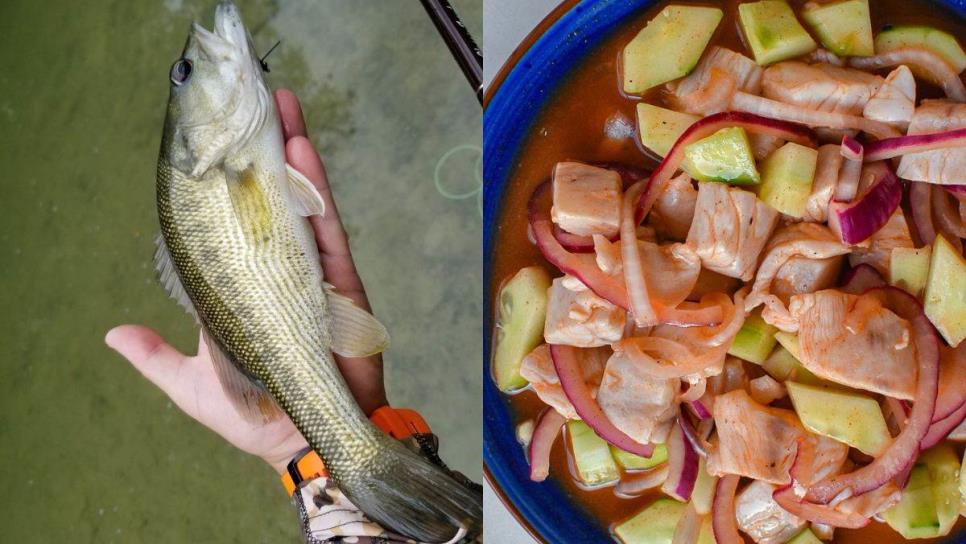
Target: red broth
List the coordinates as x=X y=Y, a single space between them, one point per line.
x=572 y=128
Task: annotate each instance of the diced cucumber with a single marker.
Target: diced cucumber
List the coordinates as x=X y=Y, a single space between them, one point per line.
x=786 y=178
x=773 y=32
x=703 y=493
x=724 y=156
x=852 y=418
x=805 y=537
x=591 y=455
x=943 y=464
x=789 y=341
x=909 y=268
x=945 y=299
x=706 y=536
x=915 y=514
x=629 y=461
x=943 y=43
x=962 y=486
x=754 y=341
x=654 y=524
x=780 y=364
x=661 y=127
x=519 y=324
x=669 y=47
x=843 y=27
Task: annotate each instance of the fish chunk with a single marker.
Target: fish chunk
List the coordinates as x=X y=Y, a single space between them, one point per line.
x=693 y=93
x=674 y=209
x=639 y=404
x=826 y=179
x=761 y=518
x=586 y=199
x=820 y=87
x=895 y=101
x=730 y=229
x=941 y=166
x=894 y=234
x=578 y=317
x=761 y=442
x=855 y=341
x=801 y=274
x=671 y=270
x=537 y=368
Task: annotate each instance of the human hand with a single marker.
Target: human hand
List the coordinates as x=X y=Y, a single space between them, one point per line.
x=191 y=382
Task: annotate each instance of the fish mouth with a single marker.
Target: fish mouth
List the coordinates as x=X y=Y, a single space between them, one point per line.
x=228 y=35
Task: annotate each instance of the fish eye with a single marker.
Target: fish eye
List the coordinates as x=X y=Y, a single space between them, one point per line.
x=180 y=71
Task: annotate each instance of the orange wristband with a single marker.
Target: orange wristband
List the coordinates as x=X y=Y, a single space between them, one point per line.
x=399 y=423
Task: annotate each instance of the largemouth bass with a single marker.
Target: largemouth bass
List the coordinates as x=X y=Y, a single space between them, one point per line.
x=238 y=252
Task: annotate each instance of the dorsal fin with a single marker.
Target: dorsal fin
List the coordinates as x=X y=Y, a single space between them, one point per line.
x=169 y=278
x=248 y=395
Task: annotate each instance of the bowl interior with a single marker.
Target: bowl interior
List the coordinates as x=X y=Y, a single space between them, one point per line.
x=512 y=109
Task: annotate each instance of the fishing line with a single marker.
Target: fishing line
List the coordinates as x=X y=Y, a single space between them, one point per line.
x=477 y=191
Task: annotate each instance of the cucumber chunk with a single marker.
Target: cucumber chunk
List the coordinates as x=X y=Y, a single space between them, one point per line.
x=789 y=341
x=706 y=536
x=669 y=47
x=786 y=178
x=943 y=43
x=844 y=27
x=943 y=464
x=909 y=268
x=661 y=127
x=962 y=486
x=591 y=454
x=945 y=299
x=787 y=363
x=805 y=537
x=915 y=515
x=852 y=418
x=780 y=364
x=724 y=156
x=629 y=461
x=519 y=324
x=654 y=524
x=773 y=32
x=703 y=493
x=755 y=341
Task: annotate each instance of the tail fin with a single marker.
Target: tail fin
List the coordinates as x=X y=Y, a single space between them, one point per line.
x=417 y=499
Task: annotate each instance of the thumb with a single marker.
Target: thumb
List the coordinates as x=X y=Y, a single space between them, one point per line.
x=149 y=353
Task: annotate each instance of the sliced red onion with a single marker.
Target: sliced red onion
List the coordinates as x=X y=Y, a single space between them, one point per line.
x=920 y=204
x=696 y=389
x=848 y=184
x=863 y=217
x=634 y=279
x=947 y=216
x=896 y=413
x=723 y=521
x=544 y=434
x=905 y=448
x=577 y=391
x=888 y=148
x=952 y=382
x=688 y=528
x=924 y=63
x=638 y=483
x=683 y=464
x=862 y=278
x=706 y=127
x=696 y=439
x=699 y=409
x=758 y=105
x=958 y=190
x=939 y=430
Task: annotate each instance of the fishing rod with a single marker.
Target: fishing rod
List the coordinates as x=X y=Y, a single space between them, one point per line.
x=459 y=41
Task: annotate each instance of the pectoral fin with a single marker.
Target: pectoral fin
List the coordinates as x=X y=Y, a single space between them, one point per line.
x=246 y=394
x=355 y=332
x=306 y=199
x=169 y=277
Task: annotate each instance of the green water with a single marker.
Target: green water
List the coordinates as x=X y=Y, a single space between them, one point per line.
x=90 y=451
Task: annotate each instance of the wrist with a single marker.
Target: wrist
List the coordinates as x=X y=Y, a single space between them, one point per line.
x=280 y=456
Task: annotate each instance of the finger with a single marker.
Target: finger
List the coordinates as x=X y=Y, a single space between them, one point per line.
x=290 y=112
x=160 y=363
x=330 y=235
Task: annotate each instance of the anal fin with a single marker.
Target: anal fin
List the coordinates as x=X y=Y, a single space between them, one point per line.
x=247 y=395
x=355 y=332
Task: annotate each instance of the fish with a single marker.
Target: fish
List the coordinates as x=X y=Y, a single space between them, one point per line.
x=237 y=250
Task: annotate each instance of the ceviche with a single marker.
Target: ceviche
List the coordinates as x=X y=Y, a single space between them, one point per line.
x=732 y=296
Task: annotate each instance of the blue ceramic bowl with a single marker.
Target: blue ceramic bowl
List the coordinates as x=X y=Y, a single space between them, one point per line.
x=512 y=109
